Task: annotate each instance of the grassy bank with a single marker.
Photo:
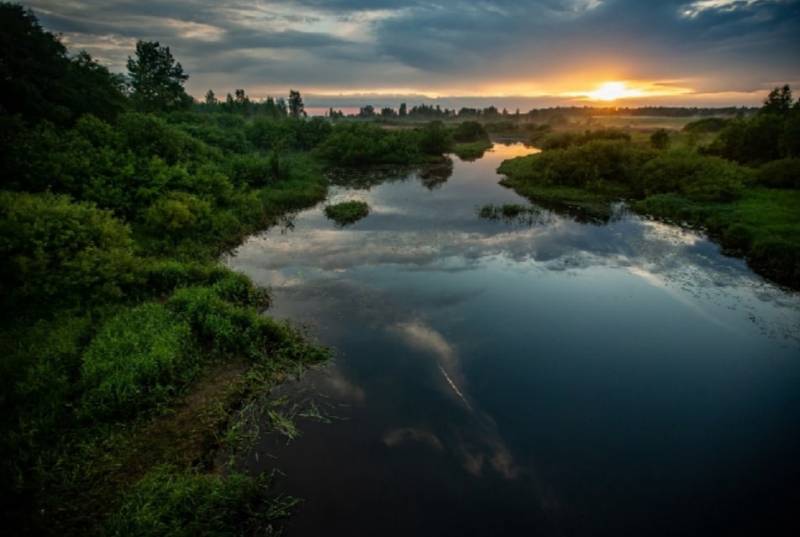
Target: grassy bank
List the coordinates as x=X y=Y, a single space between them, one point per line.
x=746 y=200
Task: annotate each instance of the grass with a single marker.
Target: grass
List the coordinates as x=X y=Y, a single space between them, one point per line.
x=186 y=503
x=469 y=151
x=347 y=212
x=763 y=225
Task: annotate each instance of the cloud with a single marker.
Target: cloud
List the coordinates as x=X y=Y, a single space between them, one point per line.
x=538 y=48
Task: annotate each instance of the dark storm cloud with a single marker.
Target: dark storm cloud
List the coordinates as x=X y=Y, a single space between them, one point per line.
x=354 y=45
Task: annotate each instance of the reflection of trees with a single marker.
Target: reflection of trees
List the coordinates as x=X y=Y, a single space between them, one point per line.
x=432 y=175
x=435 y=175
x=366 y=178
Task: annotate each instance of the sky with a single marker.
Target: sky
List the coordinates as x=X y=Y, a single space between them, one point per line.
x=510 y=53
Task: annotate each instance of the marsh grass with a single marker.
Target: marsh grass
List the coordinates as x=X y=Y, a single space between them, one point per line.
x=470 y=151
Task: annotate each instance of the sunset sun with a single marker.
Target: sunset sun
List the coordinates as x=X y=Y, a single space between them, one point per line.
x=611 y=91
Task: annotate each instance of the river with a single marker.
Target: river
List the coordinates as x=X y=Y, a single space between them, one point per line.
x=547 y=374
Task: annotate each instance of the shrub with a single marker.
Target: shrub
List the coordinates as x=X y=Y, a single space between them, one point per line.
x=660 y=139
x=257 y=170
x=434 y=139
x=359 y=144
x=707 y=124
x=347 y=212
x=695 y=176
x=784 y=173
x=587 y=165
x=470 y=131
x=177 y=215
x=55 y=252
x=148 y=135
x=138 y=359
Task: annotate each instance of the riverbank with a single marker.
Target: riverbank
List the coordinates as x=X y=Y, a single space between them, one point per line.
x=759 y=224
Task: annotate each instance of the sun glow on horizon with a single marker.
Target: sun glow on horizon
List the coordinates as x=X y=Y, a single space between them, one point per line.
x=611 y=91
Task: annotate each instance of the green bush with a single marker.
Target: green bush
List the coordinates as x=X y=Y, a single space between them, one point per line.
x=360 y=144
x=347 y=212
x=256 y=170
x=434 y=139
x=695 y=176
x=784 y=173
x=707 y=124
x=54 y=252
x=470 y=131
x=587 y=165
x=660 y=139
x=137 y=360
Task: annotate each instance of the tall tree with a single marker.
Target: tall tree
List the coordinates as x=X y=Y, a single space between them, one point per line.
x=296 y=107
x=211 y=98
x=779 y=101
x=403 y=110
x=157 y=79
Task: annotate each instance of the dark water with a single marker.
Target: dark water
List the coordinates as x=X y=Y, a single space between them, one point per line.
x=544 y=377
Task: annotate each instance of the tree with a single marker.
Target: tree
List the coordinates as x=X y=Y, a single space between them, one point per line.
x=38 y=79
x=779 y=101
x=660 y=139
x=156 y=79
x=403 y=110
x=269 y=108
x=211 y=98
x=280 y=107
x=296 y=107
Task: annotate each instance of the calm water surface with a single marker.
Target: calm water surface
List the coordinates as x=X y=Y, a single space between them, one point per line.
x=543 y=377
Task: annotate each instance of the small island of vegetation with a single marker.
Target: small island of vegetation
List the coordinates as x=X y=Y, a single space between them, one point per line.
x=347 y=212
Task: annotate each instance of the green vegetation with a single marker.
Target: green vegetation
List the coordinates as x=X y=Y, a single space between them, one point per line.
x=472 y=150
x=347 y=212
x=180 y=503
x=708 y=187
x=126 y=345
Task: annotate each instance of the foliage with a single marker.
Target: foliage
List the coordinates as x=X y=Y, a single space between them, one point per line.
x=54 y=252
x=470 y=131
x=771 y=134
x=39 y=80
x=660 y=139
x=296 y=107
x=784 y=173
x=694 y=176
x=586 y=165
x=359 y=144
x=434 y=139
x=156 y=79
x=347 y=212
x=706 y=124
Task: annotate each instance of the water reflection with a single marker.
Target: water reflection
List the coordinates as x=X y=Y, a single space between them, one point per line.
x=556 y=375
